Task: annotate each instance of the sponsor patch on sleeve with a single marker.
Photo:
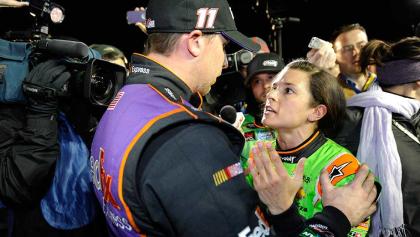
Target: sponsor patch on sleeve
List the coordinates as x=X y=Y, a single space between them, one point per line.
x=227 y=173
x=342 y=166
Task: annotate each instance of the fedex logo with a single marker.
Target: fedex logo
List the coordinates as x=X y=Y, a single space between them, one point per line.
x=102 y=180
x=263 y=228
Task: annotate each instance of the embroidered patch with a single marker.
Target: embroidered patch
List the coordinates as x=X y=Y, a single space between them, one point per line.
x=264 y=135
x=342 y=166
x=227 y=173
x=337 y=171
x=249 y=136
x=115 y=101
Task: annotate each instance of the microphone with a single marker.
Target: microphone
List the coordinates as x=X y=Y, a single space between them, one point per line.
x=228 y=113
x=73 y=49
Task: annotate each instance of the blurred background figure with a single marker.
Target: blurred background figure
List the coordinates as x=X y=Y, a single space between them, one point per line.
x=347 y=42
x=111 y=53
x=264 y=49
x=262 y=43
x=383 y=128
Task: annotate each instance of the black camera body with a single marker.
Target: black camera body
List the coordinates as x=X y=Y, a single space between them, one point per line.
x=93 y=79
x=239 y=59
x=96 y=80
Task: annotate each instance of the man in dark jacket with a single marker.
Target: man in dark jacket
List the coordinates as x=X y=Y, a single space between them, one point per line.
x=160 y=166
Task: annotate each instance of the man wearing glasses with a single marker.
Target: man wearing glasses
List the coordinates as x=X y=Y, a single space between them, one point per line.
x=347 y=42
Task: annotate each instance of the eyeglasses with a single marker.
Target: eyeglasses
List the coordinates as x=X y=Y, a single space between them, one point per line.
x=349 y=48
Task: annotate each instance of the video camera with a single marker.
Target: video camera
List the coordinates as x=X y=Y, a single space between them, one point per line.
x=94 y=79
x=238 y=59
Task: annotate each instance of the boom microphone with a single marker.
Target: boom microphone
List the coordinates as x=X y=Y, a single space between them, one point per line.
x=228 y=113
x=73 y=49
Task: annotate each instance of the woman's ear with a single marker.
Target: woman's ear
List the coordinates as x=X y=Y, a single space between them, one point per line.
x=318 y=112
x=195 y=43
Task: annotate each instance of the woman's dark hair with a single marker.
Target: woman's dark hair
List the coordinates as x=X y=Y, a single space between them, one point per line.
x=379 y=53
x=325 y=90
x=373 y=53
x=407 y=48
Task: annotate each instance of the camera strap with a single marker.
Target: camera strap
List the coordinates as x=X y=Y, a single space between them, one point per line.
x=405 y=131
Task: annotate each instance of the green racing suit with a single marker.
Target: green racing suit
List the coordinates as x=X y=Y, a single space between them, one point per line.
x=253 y=132
x=321 y=153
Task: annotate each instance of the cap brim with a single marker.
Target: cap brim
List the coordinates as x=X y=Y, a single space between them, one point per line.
x=241 y=40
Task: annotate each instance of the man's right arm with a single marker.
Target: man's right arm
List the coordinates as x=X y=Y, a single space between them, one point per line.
x=329 y=222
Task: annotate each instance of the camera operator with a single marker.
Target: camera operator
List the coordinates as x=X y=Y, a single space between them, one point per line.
x=11 y=121
x=111 y=54
x=45 y=182
x=45 y=175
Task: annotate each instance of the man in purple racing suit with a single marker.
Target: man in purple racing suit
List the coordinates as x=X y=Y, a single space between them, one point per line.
x=161 y=166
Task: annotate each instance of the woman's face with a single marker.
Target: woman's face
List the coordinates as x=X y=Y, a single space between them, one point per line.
x=289 y=103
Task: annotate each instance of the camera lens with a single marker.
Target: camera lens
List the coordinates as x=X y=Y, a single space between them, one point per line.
x=102 y=89
x=245 y=57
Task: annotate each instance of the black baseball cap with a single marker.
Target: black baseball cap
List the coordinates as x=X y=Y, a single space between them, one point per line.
x=184 y=16
x=264 y=62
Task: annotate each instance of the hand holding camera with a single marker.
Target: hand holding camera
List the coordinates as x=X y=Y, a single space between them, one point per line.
x=321 y=54
x=138 y=17
x=44 y=84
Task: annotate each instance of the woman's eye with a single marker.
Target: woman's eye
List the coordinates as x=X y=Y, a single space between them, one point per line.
x=288 y=90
